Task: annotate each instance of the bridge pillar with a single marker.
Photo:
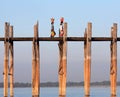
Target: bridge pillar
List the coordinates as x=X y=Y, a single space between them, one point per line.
x=113 y=66
x=63 y=63
x=87 y=59
x=35 y=64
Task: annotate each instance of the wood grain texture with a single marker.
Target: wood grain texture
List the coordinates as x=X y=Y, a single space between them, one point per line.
x=35 y=64
x=6 y=59
x=113 y=66
x=63 y=63
x=11 y=68
x=87 y=59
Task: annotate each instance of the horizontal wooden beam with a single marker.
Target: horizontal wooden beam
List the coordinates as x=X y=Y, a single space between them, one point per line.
x=58 y=39
x=101 y=39
x=31 y=39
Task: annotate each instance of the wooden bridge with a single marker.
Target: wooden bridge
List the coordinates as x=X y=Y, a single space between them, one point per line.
x=62 y=45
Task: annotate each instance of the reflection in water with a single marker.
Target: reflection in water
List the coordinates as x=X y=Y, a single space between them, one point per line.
x=110 y=96
x=113 y=96
x=85 y=96
x=61 y=96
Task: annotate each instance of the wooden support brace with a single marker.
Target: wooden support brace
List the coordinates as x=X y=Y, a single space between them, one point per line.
x=6 y=59
x=63 y=63
x=113 y=66
x=87 y=59
x=35 y=64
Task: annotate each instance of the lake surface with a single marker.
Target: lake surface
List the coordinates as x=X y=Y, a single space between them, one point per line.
x=71 y=92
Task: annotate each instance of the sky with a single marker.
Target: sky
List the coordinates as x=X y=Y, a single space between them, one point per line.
x=23 y=14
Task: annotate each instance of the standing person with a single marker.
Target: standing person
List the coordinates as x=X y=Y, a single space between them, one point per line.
x=52 y=28
x=61 y=31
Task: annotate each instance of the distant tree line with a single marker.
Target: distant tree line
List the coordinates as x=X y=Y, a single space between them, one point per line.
x=55 y=84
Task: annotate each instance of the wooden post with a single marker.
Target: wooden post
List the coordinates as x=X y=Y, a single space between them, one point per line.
x=87 y=59
x=11 y=69
x=85 y=54
x=35 y=64
x=63 y=63
x=113 y=67
x=6 y=57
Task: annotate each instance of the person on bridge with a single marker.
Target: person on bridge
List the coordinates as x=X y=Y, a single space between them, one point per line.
x=52 y=28
x=61 y=31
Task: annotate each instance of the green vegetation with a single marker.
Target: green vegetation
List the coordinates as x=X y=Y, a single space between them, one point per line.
x=55 y=84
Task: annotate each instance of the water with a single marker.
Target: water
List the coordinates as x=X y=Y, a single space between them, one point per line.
x=71 y=92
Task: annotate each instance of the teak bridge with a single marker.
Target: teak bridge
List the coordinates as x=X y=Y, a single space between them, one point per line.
x=62 y=71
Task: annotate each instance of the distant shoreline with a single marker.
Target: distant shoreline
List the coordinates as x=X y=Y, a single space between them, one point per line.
x=55 y=84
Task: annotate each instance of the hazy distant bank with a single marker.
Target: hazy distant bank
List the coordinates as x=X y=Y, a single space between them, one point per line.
x=55 y=84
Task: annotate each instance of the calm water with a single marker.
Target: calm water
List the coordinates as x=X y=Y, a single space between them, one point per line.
x=71 y=92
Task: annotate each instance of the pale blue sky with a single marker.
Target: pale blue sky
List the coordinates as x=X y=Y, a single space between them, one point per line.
x=23 y=14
